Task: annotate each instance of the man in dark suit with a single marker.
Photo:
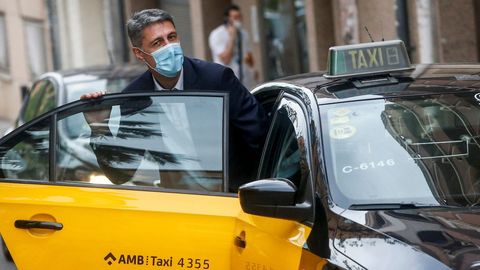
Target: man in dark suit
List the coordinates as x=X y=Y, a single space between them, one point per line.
x=156 y=43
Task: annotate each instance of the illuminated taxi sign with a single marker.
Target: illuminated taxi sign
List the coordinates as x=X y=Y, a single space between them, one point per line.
x=367 y=59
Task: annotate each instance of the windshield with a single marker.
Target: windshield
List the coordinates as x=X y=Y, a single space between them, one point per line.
x=421 y=150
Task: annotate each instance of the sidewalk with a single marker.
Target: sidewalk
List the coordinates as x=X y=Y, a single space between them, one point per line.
x=4 y=125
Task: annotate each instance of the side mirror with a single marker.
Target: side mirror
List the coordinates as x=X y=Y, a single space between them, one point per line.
x=273 y=198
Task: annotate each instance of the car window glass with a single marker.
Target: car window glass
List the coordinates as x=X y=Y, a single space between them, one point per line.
x=26 y=156
x=86 y=84
x=160 y=142
x=285 y=146
x=41 y=99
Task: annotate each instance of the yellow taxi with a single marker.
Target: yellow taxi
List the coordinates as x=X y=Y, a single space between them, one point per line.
x=373 y=164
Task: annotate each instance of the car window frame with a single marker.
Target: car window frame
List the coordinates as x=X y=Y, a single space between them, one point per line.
x=306 y=188
x=78 y=106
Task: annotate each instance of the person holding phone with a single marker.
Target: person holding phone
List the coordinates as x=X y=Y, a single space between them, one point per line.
x=230 y=47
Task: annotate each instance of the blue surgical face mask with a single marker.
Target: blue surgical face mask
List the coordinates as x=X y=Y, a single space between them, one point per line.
x=168 y=59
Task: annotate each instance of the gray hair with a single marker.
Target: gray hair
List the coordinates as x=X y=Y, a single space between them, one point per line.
x=142 y=19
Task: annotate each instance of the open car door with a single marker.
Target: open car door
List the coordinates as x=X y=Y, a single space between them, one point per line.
x=141 y=185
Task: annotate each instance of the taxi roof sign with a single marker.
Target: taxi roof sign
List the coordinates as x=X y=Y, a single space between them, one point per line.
x=367 y=59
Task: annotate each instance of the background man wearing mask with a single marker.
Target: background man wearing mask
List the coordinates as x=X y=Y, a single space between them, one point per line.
x=156 y=43
x=230 y=47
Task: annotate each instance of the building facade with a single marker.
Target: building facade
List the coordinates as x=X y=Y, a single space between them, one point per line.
x=24 y=50
x=286 y=36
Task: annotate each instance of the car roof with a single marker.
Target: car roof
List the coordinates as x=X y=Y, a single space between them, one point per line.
x=124 y=70
x=61 y=78
x=424 y=79
x=94 y=73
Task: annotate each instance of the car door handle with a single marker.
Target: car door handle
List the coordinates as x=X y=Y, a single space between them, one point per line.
x=36 y=224
x=239 y=242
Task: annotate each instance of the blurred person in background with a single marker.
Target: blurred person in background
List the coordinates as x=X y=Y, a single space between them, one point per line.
x=229 y=44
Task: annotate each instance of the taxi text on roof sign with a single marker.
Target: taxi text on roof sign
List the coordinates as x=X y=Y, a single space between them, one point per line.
x=367 y=59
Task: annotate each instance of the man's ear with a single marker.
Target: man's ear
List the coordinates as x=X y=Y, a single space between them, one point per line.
x=138 y=53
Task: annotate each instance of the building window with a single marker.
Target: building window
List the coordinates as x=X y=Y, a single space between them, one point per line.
x=36 y=50
x=286 y=37
x=180 y=10
x=3 y=45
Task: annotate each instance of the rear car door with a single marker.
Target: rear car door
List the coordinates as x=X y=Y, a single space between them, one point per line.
x=62 y=207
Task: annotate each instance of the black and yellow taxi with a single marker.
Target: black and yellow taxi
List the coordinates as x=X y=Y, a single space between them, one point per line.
x=373 y=164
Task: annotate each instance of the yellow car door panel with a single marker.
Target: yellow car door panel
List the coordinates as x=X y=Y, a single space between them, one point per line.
x=150 y=192
x=123 y=228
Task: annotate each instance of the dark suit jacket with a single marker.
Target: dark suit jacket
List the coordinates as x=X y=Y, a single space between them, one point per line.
x=247 y=119
x=246 y=115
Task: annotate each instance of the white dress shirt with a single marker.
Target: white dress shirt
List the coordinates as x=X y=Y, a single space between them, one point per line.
x=178 y=86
